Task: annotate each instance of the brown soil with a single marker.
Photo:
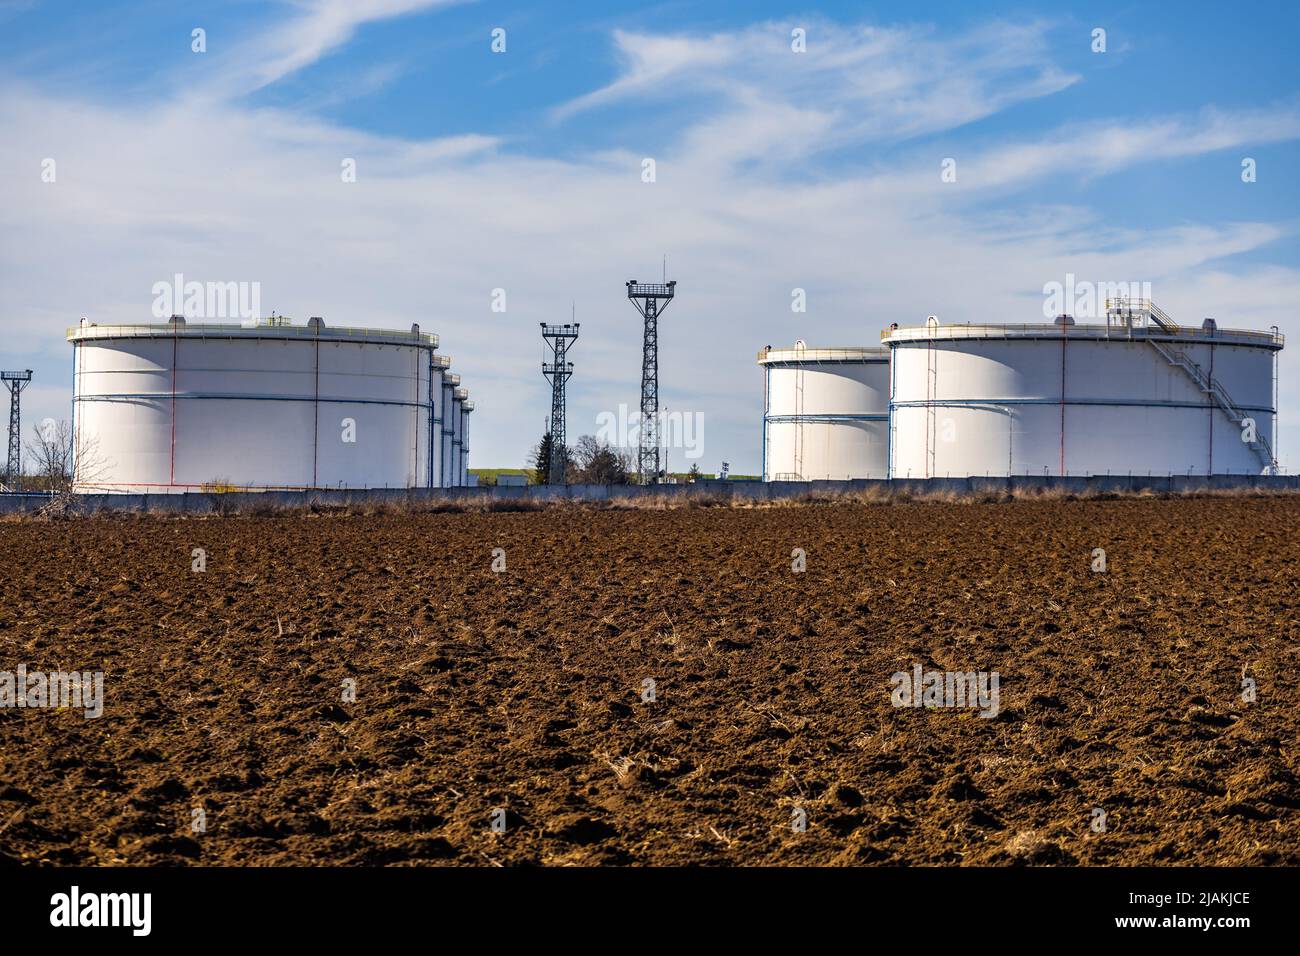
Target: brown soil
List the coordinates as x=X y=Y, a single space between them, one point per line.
x=522 y=690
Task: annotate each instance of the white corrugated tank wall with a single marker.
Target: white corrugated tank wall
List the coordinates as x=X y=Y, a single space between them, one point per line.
x=826 y=414
x=175 y=412
x=1073 y=405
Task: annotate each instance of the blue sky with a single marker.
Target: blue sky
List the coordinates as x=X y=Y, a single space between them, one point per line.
x=521 y=171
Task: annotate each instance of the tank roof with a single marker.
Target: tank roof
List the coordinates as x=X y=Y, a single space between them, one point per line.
x=1097 y=331
x=277 y=327
x=809 y=356
x=1119 y=327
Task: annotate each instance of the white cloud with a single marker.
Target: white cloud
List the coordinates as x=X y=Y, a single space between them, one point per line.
x=318 y=28
x=651 y=63
x=1098 y=148
x=852 y=83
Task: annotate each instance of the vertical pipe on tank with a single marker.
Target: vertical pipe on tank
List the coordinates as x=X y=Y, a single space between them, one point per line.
x=76 y=390
x=172 y=454
x=315 y=411
x=415 y=412
x=931 y=391
x=1064 y=339
x=1276 y=408
x=798 y=415
x=464 y=447
x=444 y=440
x=457 y=425
x=1209 y=405
x=889 y=421
x=767 y=406
x=428 y=471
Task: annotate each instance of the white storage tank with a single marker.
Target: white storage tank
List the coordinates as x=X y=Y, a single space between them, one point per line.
x=451 y=413
x=466 y=407
x=458 y=437
x=266 y=404
x=1136 y=395
x=825 y=413
x=437 y=402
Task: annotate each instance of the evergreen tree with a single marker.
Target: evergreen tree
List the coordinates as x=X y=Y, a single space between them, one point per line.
x=542 y=460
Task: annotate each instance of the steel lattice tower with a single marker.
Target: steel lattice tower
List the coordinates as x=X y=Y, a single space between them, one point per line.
x=646 y=298
x=558 y=370
x=15 y=382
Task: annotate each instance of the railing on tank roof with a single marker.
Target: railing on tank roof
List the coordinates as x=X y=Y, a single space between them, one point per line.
x=820 y=355
x=1131 y=306
x=249 y=331
x=1098 y=331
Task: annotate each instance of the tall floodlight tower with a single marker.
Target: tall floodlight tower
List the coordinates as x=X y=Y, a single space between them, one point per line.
x=647 y=298
x=558 y=370
x=15 y=382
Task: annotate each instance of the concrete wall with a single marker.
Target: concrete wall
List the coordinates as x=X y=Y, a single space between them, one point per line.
x=200 y=503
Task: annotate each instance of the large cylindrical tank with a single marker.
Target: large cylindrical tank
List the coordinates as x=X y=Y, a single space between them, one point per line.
x=437 y=401
x=1138 y=395
x=825 y=413
x=466 y=407
x=458 y=436
x=183 y=407
x=448 y=467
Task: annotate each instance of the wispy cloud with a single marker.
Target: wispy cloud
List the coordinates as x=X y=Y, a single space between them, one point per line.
x=314 y=30
x=852 y=84
x=1098 y=148
x=1078 y=152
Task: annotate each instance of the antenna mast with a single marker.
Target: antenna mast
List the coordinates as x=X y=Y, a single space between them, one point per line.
x=646 y=297
x=558 y=370
x=15 y=382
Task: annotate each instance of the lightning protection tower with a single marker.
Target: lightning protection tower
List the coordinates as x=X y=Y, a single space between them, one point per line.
x=647 y=298
x=15 y=382
x=558 y=370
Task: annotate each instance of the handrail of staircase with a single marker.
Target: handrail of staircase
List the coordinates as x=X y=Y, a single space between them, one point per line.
x=1157 y=314
x=1221 y=394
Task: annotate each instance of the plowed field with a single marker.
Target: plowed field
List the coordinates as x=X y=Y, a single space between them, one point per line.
x=520 y=697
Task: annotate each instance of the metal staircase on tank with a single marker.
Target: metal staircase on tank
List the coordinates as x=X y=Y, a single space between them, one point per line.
x=1126 y=309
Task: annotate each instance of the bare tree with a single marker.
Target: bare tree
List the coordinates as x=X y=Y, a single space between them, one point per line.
x=596 y=462
x=50 y=454
x=59 y=457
